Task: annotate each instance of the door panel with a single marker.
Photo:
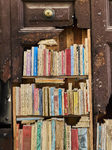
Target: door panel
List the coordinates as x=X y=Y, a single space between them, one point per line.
x=5 y=53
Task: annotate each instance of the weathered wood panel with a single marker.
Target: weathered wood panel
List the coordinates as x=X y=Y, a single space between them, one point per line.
x=101 y=54
x=82 y=13
x=5 y=53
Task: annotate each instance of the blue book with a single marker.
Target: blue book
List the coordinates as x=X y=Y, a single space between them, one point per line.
x=72 y=60
x=82 y=138
x=83 y=66
x=35 y=66
x=99 y=145
x=53 y=126
x=52 y=100
x=60 y=101
x=40 y=103
x=33 y=99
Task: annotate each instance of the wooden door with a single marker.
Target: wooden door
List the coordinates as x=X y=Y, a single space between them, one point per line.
x=5 y=49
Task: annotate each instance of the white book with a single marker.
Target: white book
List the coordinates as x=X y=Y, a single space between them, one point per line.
x=75 y=58
x=35 y=137
x=32 y=61
x=47 y=52
x=81 y=60
x=25 y=99
x=17 y=101
x=68 y=131
x=22 y=99
x=97 y=145
x=25 y=62
x=87 y=83
x=44 y=143
x=32 y=136
x=57 y=64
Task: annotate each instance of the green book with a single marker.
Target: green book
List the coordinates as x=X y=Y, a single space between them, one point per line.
x=39 y=124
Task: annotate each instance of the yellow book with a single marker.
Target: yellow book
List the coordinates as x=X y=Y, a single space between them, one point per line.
x=75 y=102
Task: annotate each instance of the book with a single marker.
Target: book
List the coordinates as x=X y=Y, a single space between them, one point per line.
x=56 y=102
x=20 y=139
x=26 y=137
x=74 y=139
x=39 y=124
x=72 y=60
x=36 y=92
x=59 y=134
x=35 y=70
x=32 y=136
x=60 y=100
x=44 y=68
x=17 y=138
x=68 y=137
x=17 y=100
x=28 y=65
x=52 y=101
x=53 y=128
x=65 y=104
x=82 y=138
x=68 y=61
x=25 y=63
x=40 y=103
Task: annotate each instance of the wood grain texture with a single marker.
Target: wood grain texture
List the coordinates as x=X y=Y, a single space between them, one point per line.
x=82 y=13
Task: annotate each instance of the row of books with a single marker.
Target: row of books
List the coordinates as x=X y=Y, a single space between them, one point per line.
x=104 y=135
x=51 y=101
x=40 y=61
x=52 y=134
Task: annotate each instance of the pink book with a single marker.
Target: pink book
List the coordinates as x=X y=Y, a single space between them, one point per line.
x=49 y=62
x=28 y=65
x=68 y=61
x=36 y=91
x=62 y=59
x=44 y=73
x=65 y=62
x=26 y=137
x=74 y=139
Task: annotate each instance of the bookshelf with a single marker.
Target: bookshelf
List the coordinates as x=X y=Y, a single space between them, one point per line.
x=74 y=79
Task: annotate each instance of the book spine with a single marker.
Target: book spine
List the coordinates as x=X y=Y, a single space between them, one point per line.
x=17 y=136
x=68 y=137
x=53 y=126
x=52 y=100
x=36 y=101
x=49 y=62
x=20 y=139
x=19 y=101
x=40 y=102
x=74 y=139
x=51 y=66
x=83 y=61
x=46 y=101
x=60 y=101
x=56 y=102
x=25 y=99
x=99 y=144
x=25 y=63
x=57 y=68
x=44 y=62
x=47 y=51
x=75 y=58
x=86 y=49
x=65 y=104
x=62 y=59
x=78 y=60
x=68 y=65
x=32 y=60
x=82 y=138
x=26 y=137
x=35 y=139
x=71 y=102
x=65 y=61
x=33 y=99
x=43 y=98
x=28 y=66
x=72 y=60
x=32 y=136
x=39 y=135
x=30 y=100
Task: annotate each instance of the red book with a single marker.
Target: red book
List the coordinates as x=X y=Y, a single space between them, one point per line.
x=36 y=91
x=44 y=67
x=68 y=61
x=17 y=129
x=87 y=102
x=65 y=104
x=74 y=139
x=26 y=137
x=49 y=62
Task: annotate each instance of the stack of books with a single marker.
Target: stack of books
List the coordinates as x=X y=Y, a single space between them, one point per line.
x=52 y=134
x=40 y=61
x=104 y=135
x=51 y=101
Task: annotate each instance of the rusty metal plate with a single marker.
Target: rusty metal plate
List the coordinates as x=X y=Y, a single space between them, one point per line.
x=33 y=14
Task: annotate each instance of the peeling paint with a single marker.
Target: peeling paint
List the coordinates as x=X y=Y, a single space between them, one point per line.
x=99 y=60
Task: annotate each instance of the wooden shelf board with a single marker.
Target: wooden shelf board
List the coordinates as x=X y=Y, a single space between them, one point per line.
x=36 y=117
x=74 y=76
